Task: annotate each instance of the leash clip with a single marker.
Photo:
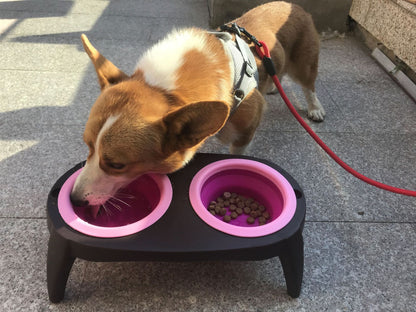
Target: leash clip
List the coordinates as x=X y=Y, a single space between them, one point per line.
x=264 y=54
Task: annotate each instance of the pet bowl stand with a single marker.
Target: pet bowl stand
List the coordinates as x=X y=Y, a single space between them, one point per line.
x=179 y=235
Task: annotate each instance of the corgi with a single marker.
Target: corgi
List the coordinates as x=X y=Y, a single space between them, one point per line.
x=181 y=93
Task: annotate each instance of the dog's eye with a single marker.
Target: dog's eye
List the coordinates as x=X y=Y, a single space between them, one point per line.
x=116 y=166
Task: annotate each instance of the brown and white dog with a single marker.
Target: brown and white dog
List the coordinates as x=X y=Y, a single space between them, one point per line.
x=180 y=94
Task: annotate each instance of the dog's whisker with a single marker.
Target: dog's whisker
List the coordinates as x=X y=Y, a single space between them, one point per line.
x=125 y=195
x=106 y=210
x=118 y=207
x=121 y=201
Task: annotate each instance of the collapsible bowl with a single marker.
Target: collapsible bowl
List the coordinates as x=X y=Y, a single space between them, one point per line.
x=246 y=177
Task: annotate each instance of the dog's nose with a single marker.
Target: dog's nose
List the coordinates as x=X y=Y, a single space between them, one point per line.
x=78 y=202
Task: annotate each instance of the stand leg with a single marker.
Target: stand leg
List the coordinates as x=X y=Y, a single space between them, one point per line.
x=59 y=264
x=292 y=263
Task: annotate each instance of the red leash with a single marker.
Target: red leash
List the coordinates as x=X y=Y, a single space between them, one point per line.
x=264 y=54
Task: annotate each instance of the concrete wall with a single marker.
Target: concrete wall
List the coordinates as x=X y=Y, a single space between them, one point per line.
x=327 y=14
x=392 y=23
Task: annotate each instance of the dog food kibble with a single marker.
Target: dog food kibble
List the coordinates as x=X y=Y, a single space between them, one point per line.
x=254 y=206
x=250 y=220
x=234 y=215
x=227 y=218
x=231 y=206
x=227 y=195
x=266 y=215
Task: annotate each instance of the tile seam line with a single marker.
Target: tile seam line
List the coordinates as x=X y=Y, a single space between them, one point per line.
x=40 y=71
x=342 y=132
x=86 y=14
x=22 y=218
x=361 y=222
x=61 y=35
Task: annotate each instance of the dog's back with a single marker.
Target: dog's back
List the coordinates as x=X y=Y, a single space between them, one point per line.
x=290 y=34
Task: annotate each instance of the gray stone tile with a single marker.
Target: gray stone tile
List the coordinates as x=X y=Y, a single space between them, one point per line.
x=29 y=172
x=41 y=57
x=67 y=29
x=347 y=59
x=359 y=267
x=142 y=8
x=116 y=21
x=36 y=8
x=37 y=97
x=374 y=106
x=22 y=264
x=388 y=159
x=188 y=10
x=368 y=98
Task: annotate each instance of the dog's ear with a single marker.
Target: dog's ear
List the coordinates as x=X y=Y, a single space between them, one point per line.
x=107 y=72
x=191 y=124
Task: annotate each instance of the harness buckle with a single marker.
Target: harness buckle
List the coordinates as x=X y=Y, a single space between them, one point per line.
x=234 y=28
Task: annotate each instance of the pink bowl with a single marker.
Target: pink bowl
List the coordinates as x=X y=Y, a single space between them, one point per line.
x=139 y=205
x=248 y=178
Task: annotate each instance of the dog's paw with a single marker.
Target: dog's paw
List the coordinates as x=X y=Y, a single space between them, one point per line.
x=317 y=115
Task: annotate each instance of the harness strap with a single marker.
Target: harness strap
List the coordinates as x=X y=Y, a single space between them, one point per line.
x=244 y=66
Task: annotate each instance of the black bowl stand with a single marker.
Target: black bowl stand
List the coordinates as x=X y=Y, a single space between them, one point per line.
x=180 y=235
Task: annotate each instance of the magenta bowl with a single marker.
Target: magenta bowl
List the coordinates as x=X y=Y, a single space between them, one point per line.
x=138 y=205
x=248 y=178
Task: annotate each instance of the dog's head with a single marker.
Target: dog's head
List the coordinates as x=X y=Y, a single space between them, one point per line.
x=134 y=128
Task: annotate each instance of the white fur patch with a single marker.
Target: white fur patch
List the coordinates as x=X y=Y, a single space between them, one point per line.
x=161 y=62
x=188 y=156
x=95 y=159
x=95 y=185
x=107 y=125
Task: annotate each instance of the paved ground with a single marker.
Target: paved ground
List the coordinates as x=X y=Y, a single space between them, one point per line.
x=359 y=241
